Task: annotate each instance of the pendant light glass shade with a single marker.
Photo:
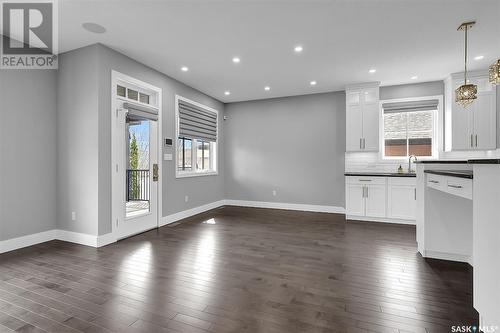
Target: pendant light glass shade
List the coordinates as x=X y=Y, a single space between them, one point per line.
x=495 y=72
x=466 y=93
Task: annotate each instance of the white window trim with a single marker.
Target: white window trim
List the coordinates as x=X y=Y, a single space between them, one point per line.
x=437 y=148
x=213 y=162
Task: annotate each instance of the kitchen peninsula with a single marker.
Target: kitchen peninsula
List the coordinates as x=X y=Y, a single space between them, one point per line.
x=458 y=219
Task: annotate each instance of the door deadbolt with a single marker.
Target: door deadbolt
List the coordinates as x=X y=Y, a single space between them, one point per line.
x=155 y=172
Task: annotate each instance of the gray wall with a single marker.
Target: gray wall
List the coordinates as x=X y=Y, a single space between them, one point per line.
x=201 y=190
x=77 y=129
x=27 y=151
x=85 y=139
x=294 y=145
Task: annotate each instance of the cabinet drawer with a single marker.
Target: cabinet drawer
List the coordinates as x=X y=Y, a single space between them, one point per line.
x=459 y=186
x=402 y=181
x=453 y=185
x=435 y=181
x=365 y=180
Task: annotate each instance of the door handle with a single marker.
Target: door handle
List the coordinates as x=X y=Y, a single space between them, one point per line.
x=364 y=143
x=415 y=191
x=471 y=140
x=155 y=172
x=360 y=143
x=476 y=140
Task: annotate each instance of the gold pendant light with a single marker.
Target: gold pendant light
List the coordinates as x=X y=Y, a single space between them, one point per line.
x=466 y=93
x=495 y=72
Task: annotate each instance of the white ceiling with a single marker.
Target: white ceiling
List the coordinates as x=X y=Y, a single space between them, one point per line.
x=342 y=40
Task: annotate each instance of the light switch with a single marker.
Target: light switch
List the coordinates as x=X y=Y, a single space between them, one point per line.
x=167 y=157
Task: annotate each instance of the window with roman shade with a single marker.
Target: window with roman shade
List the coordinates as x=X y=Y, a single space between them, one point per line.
x=196 y=150
x=196 y=122
x=409 y=128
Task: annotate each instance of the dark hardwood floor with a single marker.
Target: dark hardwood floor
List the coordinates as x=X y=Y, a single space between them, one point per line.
x=254 y=270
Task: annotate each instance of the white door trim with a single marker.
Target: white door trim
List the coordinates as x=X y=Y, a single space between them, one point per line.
x=115 y=77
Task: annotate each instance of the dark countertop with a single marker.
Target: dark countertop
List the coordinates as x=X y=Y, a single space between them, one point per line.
x=470 y=161
x=380 y=174
x=453 y=173
x=443 y=161
x=485 y=161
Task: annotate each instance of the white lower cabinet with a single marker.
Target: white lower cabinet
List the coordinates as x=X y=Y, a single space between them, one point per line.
x=402 y=198
x=387 y=199
x=355 y=199
x=375 y=197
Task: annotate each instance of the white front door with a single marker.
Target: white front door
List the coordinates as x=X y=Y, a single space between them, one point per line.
x=137 y=174
x=136 y=187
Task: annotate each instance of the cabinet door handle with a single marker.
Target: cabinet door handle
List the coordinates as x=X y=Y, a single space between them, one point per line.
x=471 y=140
x=476 y=140
x=365 y=180
x=455 y=186
x=364 y=143
x=415 y=192
x=433 y=181
x=367 y=191
x=360 y=143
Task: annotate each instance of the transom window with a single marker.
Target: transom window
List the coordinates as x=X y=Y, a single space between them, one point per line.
x=196 y=150
x=133 y=94
x=409 y=128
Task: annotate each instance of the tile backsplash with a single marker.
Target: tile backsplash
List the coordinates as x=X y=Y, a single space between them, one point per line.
x=361 y=161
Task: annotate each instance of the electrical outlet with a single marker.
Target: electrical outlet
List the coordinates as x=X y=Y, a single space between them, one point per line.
x=73 y=216
x=186 y=198
x=274 y=193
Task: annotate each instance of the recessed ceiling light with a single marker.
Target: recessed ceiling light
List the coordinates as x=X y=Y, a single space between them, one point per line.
x=479 y=57
x=414 y=77
x=371 y=71
x=184 y=69
x=267 y=88
x=227 y=93
x=236 y=60
x=312 y=83
x=94 y=28
x=298 y=48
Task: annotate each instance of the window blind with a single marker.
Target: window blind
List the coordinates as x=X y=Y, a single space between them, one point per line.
x=140 y=112
x=196 y=122
x=412 y=106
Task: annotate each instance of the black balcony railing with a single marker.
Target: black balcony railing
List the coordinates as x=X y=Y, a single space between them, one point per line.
x=137 y=185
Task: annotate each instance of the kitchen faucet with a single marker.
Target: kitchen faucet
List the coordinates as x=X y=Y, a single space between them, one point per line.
x=409 y=163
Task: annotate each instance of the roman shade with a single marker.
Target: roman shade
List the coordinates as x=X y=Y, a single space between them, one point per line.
x=138 y=112
x=412 y=106
x=196 y=122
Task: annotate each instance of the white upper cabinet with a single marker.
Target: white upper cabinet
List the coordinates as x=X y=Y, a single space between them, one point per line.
x=473 y=127
x=362 y=117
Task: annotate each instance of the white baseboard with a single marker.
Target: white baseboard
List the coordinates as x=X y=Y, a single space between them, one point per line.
x=286 y=206
x=448 y=256
x=28 y=240
x=190 y=212
x=106 y=239
x=380 y=219
x=76 y=237
x=63 y=235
